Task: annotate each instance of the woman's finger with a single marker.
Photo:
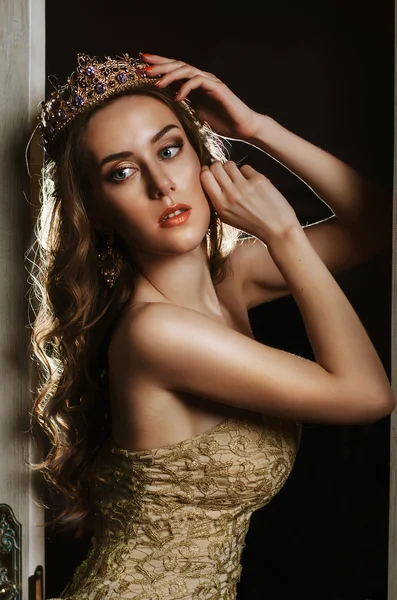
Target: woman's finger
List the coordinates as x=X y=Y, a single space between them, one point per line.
x=250 y=173
x=223 y=178
x=211 y=186
x=210 y=75
x=168 y=64
x=168 y=67
x=234 y=172
x=185 y=72
x=156 y=59
x=192 y=84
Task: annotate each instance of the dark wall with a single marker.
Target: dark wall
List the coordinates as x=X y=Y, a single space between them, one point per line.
x=327 y=74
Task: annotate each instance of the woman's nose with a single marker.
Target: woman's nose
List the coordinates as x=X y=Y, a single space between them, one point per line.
x=160 y=183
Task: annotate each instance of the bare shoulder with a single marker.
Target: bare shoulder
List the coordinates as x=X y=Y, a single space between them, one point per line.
x=150 y=327
x=188 y=352
x=146 y=322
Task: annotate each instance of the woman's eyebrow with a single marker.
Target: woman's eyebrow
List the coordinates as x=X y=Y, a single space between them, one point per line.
x=127 y=153
x=116 y=156
x=162 y=132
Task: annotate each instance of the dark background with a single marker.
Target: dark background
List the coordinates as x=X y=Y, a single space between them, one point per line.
x=326 y=73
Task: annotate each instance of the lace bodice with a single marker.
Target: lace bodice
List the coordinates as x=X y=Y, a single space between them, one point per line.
x=173 y=520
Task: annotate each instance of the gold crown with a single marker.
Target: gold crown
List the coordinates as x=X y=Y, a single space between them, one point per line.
x=92 y=82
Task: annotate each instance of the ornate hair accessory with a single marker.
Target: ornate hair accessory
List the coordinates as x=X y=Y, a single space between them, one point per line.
x=91 y=83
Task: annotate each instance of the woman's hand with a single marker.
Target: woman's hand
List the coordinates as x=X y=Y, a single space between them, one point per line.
x=213 y=100
x=247 y=200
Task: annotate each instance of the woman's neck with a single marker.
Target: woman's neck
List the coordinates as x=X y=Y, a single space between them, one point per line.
x=184 y=280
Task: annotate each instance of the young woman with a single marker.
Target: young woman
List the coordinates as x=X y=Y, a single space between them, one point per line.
x=166 y=424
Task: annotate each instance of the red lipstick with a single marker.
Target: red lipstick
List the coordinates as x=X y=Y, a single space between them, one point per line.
x=177 y=219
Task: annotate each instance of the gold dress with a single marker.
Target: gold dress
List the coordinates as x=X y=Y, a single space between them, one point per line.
x=173 y=520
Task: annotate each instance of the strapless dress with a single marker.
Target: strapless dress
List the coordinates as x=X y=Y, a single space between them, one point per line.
x=172 y=521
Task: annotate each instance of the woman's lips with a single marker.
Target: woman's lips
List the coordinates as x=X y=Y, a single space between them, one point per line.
x=177 y=220
x=172 y=209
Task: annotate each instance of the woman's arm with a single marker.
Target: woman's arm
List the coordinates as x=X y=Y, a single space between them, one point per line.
x=360 y=228
x=186 y=351
x=358 y=203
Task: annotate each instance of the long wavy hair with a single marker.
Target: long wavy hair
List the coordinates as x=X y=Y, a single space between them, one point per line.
x=75 y=314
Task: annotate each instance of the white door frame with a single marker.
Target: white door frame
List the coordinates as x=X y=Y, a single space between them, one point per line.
x=22 y=87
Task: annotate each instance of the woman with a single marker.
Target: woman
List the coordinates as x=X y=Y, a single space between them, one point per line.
x=167 y=423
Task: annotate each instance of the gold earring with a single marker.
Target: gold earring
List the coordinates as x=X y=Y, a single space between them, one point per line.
x=109 y=261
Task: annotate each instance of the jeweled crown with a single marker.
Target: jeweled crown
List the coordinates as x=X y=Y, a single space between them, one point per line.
x=92 y=82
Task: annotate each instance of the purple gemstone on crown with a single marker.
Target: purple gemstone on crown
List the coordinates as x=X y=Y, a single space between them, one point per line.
x=50 y=130
x=78 y=100
x=141 y=72
x=61 y=115
x=121 y=78
x=90 y=71
x=100 y=88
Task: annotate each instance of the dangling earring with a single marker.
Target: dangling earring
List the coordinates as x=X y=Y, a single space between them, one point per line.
x=109 y=261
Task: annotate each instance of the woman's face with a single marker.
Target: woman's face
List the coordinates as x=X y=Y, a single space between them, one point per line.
x=140 y=163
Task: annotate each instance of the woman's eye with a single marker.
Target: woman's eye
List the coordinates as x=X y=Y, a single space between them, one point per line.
x=170 y=151
x=121 y=174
